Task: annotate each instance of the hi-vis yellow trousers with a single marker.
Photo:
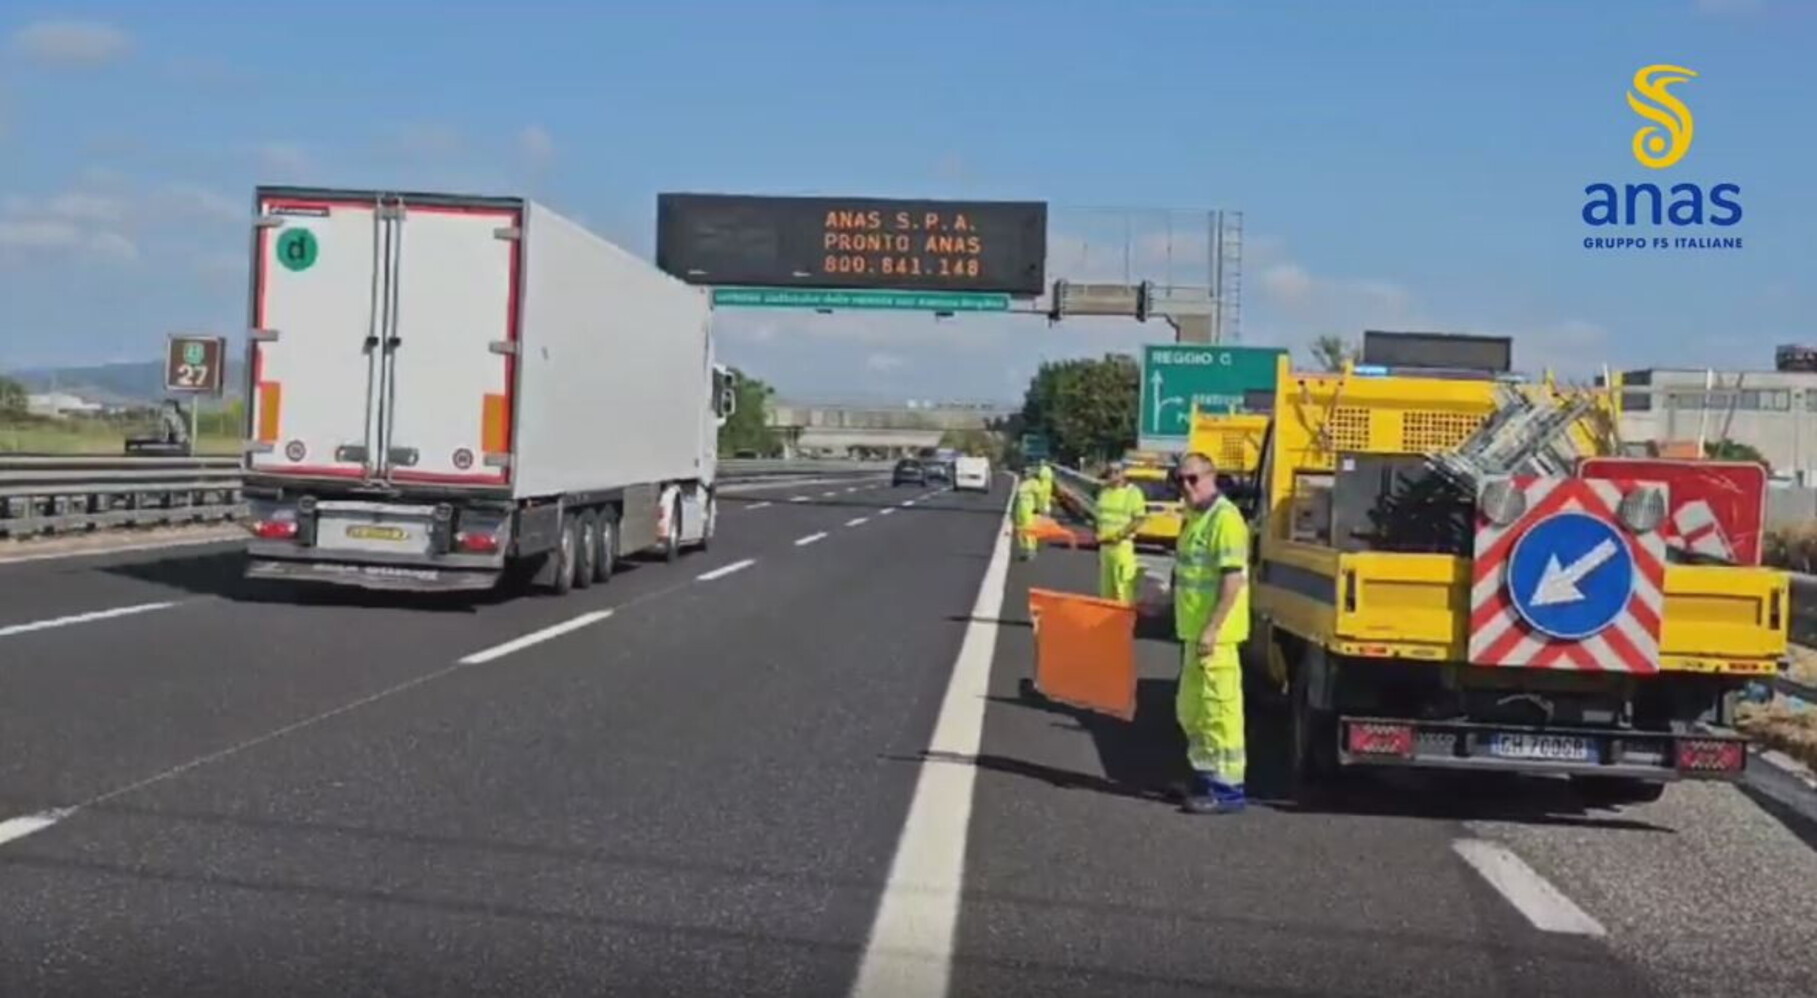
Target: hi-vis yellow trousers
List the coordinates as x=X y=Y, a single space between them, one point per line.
x=1209 y=707
x=1118 y=571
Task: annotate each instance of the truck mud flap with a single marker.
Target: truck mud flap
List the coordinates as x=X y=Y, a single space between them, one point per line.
x=394 y=578
x=1649 y=755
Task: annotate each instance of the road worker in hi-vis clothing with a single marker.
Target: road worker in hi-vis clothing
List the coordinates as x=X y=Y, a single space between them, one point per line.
x=1117 y=514
x=1211 y=619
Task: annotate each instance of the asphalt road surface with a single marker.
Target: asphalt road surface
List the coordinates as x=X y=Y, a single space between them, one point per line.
x=799 y=763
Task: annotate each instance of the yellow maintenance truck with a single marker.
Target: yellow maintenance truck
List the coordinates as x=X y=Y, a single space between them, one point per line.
x=1234 y=440
x=1159 y=527
x=1438 y=584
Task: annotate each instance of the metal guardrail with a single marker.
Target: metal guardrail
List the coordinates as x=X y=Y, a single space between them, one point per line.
x=55 y=494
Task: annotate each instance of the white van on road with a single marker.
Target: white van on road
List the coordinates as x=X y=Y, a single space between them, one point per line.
x=972 y=474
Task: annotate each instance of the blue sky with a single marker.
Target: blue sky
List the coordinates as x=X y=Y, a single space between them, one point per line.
x=1398 y=165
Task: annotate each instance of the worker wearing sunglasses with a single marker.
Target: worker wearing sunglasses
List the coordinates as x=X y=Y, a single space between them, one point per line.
x=1211 y=620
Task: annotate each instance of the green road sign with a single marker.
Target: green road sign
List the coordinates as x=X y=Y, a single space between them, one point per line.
x=297 y=249
x=1177 y=376
x=920 y=301
x=1034 y=447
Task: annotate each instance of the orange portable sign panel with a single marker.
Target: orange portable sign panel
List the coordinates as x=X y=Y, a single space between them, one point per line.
x=1046 y=528
x=1085 y=651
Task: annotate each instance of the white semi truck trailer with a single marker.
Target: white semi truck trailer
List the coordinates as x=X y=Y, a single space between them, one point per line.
x=446 y=393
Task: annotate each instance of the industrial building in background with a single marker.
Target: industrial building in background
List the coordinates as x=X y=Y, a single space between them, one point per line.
x=1772 y=411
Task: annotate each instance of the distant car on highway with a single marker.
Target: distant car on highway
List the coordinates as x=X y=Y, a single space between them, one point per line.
x=939 y=471
x=908 y=472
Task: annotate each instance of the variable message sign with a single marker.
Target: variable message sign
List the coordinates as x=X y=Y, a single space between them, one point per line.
x=1176 y=377
x=878 y=243
x=195 y=364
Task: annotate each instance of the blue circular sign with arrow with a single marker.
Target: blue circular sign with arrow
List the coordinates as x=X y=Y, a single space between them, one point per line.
x=1571 y=575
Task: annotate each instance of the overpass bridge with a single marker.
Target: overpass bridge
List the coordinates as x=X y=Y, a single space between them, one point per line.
x=871 y=429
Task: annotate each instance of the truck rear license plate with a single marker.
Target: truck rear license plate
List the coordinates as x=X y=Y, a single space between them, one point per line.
x=366 y=532
x=1550 y=748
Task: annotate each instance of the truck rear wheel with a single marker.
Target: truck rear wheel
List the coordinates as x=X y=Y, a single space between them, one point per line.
x=564 y=557
x=1314 y=734
x=605 y=556
x=586 y=551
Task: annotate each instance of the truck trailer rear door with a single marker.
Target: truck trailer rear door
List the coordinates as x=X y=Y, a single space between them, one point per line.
x=386 y=331
x=315 y=316
x=446 y=398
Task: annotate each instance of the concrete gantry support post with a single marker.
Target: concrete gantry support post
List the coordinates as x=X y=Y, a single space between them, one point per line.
x=1192 y=329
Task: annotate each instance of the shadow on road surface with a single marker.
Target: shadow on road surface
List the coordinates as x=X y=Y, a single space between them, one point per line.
x=1145 y=758
x=219 y=574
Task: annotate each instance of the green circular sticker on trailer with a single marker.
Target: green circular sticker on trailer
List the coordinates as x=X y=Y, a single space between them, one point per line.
x=297 y=249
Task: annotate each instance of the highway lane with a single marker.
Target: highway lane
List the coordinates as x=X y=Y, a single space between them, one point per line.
x=705 y=792
x=96 y=703
x=1083 y=878
x=698 y=794
x=48 y=588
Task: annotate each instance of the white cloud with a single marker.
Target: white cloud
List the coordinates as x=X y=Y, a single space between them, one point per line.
x=29 y=238
x=882 y=362
x=198 y=202
x=536 y=144
x=105 y=216
x=71 y=42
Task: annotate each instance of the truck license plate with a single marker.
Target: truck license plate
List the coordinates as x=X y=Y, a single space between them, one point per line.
x=1551 y=748
x=366 y=532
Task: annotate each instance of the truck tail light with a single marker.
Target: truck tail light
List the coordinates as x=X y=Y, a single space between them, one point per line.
x=475 y=542
x=1381 y=739
x=1712 y=755
x=275 y=530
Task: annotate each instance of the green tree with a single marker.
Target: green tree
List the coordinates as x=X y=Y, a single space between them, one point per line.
x=1731 y=450
x=1330 y=352
x=1085 y=407
x=749 y=427
x=12 y=398
x=975 y=442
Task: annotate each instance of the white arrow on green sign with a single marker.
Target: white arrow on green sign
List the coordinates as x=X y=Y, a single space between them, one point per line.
x=923 y=301
x=1177 y=376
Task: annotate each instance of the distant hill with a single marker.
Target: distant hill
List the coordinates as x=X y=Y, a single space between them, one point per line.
x=132 y=383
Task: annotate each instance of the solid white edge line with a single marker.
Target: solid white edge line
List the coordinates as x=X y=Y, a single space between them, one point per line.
x=857 y=521
x=809 y=539
x=535 y=637
x=82 y=618
x=1531 y=894
x=6 y=558
x=14 y=829
x=910 y=947
x=725 y=570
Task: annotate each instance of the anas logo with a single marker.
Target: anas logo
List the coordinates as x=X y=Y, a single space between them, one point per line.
x=1661 y=144
x=1665 y=142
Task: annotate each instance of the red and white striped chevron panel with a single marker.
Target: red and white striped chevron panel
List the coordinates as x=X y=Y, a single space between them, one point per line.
x=1499 y=636
x=1696 y=528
